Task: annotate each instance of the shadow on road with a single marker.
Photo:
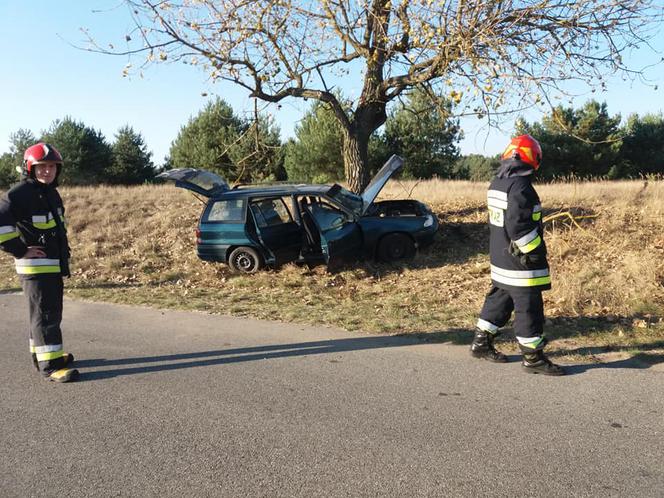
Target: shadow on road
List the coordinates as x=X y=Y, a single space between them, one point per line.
x=11 y=290
x=641 y=361
x=146 y=364
x=235 y=355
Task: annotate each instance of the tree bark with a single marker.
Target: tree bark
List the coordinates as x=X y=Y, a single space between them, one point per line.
x=369 y=115
x=355 y=152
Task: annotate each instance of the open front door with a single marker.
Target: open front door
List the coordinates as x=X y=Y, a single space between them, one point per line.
x=341 y=236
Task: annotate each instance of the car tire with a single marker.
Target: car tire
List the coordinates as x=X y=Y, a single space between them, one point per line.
x=245 y=260
x=396 y=246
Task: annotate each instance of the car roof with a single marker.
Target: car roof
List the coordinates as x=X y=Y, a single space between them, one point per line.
x=258 y=190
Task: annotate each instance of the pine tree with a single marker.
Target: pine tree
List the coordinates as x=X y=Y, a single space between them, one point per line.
x=424 y=133
x=315 y=155
x=219 y=141
x=131 y=159
x=582 y=142
x=10 y=161
x=86 y=153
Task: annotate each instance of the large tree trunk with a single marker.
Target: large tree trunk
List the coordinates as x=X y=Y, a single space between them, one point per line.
x=355 y=151
x=370 y=112
x=369 y=115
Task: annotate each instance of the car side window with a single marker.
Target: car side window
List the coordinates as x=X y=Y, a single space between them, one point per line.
x=231 y=210
x=270 y=212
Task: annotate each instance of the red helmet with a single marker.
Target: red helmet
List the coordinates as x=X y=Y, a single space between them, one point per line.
x=38 y=154
x=526 y=149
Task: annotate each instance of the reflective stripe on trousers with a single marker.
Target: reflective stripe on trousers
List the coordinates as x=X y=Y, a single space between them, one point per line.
x=530 y=342
x=45 y=353
x=487 y=326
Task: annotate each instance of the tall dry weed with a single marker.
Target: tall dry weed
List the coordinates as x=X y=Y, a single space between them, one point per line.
x=613 y=262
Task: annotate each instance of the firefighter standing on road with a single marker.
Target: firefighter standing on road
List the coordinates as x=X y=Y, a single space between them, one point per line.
x=32 y=229
x=519 y=268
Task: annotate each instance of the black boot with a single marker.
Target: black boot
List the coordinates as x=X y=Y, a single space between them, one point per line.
x=482 y=347
x=535 y=362
x=66 y=360
x=62 y=375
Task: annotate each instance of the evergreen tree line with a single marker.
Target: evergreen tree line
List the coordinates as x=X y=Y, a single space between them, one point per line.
x=251 y=151
x=585 y=143
x=89 y=158
x=590 y=143
x=420 y=129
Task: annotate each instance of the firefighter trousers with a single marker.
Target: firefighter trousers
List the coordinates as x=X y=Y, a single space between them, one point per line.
x=44 y=296
x=528 y=310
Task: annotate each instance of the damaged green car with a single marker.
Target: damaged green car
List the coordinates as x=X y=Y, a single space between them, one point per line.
x=251 y=227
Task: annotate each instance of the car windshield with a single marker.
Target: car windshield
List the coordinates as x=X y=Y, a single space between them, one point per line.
x=346 y=198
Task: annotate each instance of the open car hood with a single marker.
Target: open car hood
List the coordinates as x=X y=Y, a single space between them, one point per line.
x=197 y=180
x=370 y=193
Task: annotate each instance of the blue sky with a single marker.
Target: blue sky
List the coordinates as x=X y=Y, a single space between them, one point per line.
x=44 y=78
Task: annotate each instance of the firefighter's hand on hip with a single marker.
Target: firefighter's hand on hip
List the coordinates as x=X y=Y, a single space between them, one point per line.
x=532 y=258
x=34 y=252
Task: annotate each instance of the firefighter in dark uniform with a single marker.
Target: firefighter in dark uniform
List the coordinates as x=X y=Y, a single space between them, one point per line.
x=519 y=268
x=32 y=229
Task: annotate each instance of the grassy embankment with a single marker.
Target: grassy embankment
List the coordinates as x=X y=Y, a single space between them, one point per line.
x=136 y=246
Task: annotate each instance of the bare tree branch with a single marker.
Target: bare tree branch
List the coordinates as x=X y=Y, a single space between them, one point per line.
x=488 y=57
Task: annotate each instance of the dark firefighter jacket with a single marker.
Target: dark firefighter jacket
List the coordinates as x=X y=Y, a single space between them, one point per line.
x=32 y=214
x=518 y=252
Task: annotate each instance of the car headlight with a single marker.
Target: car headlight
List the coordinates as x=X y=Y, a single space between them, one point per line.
x=429 y=221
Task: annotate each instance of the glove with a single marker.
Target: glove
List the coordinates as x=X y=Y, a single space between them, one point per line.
x=529 y=259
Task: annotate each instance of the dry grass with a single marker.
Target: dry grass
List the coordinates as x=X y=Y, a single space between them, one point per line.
x=136 y=245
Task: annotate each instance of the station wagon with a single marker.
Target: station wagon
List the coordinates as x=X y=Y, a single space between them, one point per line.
x=249 y=227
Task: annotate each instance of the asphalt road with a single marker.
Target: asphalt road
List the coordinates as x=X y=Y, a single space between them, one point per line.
x=190 y=404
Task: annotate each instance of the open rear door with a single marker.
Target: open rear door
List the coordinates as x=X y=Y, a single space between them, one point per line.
x=276 y=229
x=197 y=180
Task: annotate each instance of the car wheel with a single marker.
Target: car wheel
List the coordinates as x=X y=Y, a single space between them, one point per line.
x=245 y=260
x=396 y=246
